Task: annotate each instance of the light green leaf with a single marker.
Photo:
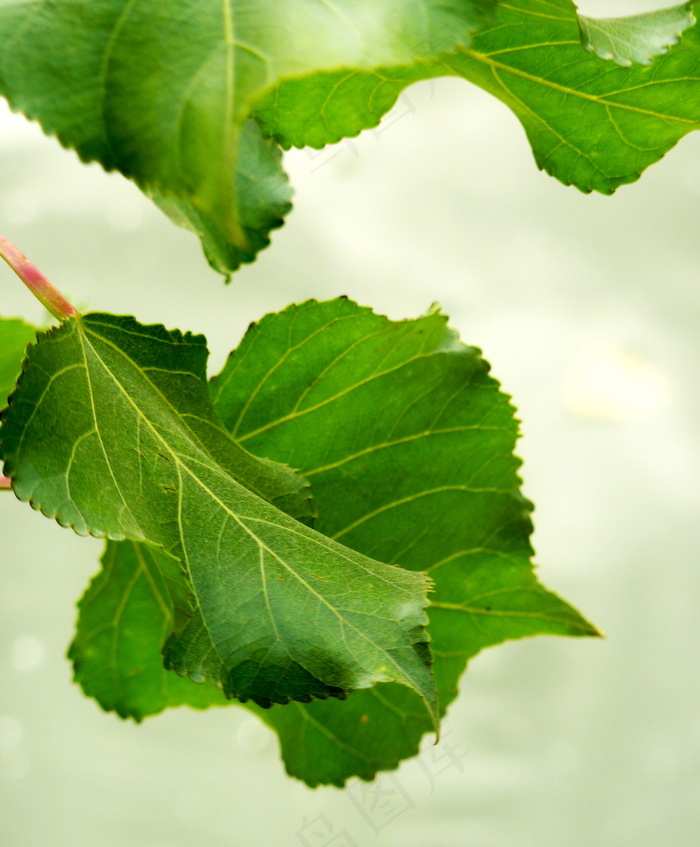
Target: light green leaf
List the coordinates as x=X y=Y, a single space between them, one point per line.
x=15 y=336
x=165 y=93
x=590 y=124
x=111 y=431
x=638 y=38
x=161 y=90
x=409 y=444
x=313 y=111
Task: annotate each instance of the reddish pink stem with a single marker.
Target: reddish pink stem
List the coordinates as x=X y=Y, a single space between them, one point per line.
x=5 y=483
x=36 y=282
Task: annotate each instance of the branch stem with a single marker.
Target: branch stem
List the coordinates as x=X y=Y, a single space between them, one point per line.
x=5 y=483
x=36 y=282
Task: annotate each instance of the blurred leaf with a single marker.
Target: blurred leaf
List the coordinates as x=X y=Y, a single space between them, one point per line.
x=161 y=90
x=111 y=431
x=639 y=38
x=15 y=336
x=264 y=198
x=164 y=93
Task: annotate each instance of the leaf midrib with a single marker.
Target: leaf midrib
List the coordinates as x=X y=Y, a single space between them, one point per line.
x=600 y=100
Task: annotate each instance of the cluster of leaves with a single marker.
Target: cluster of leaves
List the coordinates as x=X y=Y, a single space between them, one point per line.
x=198 y=121
x=407 y=443
x=329 y=529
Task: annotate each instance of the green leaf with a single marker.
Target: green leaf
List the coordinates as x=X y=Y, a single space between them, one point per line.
x=409 y=444
x=161 y=90
x=313 y=111
x=126 y=615
x=590 y=124
x=165 y=92
x=111 y=431
x=638 y=38
x=263 y=193
x=15 y=336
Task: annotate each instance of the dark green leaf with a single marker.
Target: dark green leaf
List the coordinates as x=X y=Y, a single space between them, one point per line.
x=639 y=38
x=125 y=617
x=111 y=431
x=409 y=445
x=15 y=335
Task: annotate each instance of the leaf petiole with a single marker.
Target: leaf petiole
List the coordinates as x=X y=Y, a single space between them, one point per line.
x=36 y=282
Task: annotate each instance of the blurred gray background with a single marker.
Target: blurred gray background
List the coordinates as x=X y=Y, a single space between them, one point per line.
x=588 y=309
